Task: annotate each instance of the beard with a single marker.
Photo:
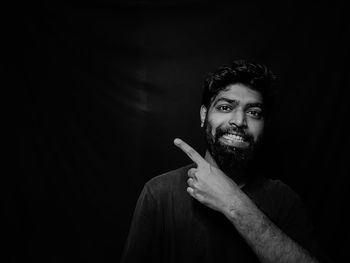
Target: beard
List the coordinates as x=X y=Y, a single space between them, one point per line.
x=233 y=161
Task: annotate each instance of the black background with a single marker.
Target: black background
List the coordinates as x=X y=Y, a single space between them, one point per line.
x=99 y=92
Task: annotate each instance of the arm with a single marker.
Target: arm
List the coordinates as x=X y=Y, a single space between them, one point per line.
x=268 y=242
x=213 y=188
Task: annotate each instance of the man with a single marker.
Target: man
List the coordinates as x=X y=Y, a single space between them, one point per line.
x=221 y=209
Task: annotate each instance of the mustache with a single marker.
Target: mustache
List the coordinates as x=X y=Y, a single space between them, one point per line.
x=234 y=130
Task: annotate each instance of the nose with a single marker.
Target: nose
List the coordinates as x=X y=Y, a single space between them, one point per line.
x=238 y=118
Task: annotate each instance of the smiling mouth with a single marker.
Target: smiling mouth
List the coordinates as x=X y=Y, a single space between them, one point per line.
x=235 y=140
x=234 y=137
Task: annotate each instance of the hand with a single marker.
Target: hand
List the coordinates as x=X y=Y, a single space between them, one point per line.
x=208 y=184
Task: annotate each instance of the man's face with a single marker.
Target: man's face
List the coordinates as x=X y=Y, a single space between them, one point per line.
x=234 y=125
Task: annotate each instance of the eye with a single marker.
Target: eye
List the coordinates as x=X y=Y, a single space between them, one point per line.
x=255 y=113
x=224 y=108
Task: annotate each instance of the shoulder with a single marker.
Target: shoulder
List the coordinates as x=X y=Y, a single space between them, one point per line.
x=274 y=188
x=287 y=196
x=290 y=208
x=277 y=187
x=284 y=196
x=276 y=199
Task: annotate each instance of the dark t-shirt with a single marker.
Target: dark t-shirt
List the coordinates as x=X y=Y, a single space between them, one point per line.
x=170 y=226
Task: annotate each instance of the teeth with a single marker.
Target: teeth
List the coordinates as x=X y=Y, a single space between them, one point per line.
x=233 y=137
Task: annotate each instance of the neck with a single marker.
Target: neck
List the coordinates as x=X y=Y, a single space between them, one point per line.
x=237 y=175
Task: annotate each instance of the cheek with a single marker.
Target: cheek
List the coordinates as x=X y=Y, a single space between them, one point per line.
x=256 y=129
x=216 y=121
x=212 y=129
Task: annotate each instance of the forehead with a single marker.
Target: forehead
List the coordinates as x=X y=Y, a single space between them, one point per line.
x=240 y=93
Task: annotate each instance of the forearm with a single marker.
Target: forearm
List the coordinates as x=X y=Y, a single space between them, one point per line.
x=268 y=242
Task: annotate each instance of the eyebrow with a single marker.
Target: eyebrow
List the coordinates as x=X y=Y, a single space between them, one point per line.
x=231 y=101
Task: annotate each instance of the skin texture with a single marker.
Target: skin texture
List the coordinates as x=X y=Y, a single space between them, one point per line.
x=237 y=106
x=213 y=188
x=236 y=110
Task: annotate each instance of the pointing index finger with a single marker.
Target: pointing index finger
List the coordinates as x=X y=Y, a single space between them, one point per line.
x=192 y=153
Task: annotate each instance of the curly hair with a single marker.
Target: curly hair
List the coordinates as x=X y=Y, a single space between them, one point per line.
x=256 y=76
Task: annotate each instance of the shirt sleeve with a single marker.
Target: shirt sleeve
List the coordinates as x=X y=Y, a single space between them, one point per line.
x=144 y=234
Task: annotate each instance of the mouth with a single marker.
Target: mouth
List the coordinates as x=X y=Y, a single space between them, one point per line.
x=235 y=139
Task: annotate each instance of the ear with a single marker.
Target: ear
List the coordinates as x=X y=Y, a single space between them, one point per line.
x=203 y=114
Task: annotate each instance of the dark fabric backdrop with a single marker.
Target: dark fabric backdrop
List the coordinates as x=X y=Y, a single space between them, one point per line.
x=100 y=91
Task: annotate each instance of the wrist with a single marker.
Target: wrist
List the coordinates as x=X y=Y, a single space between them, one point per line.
x=238 y=206
x=231 y=209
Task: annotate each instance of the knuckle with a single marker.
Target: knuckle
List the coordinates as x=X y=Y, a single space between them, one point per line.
x=191 y=152
x=192 y=172
x=204 y=165
x=194 y=193
x=190 y=191
x=190 y=181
